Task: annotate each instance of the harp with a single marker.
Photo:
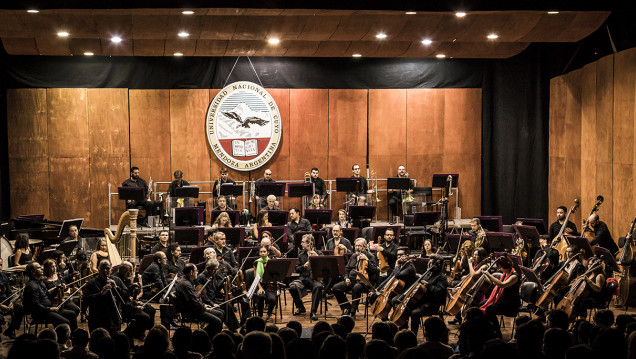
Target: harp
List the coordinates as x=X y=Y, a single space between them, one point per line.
x=128 y=218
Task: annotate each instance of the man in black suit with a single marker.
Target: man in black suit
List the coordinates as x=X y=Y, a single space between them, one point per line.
x=153 y=277
x=191 y=306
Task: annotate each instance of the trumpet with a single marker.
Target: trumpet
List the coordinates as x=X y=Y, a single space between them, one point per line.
x=307 y=177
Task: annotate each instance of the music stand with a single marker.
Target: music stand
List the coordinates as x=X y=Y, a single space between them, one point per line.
x=296 y=190
x=187 y=192
x=500 y=241
x=606 y=256
x=68 y=223
x=421 y=265
x=189 y=236
x=426 y=218
x=328 y=267
x=440 y=180
x=132 y=193
x=529 y=234
x=187 y=216
x=530 y=275
x=535 y=222
x=278 y=218
x=491 y=223
x=516 y=260
x=234 y=236
x=453 y=240
x=378 y=231
x=231 y=189
x=244 y=252
x=348 y=184
x=349 y=233
x=580 y=243
x=196 y=255
x=67 y=247
x=318 y=216
x=361 y=212
x=275 y=188
x=234 y=216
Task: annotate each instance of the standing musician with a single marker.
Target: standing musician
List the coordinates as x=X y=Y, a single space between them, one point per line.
x=191 y=306
x=388 y=249
x=262 y=220
x=319 y=183
x=224 y=179
x=177 y=183
x=555 y=228
x=479 y=234
x=73 y=235
x=434 y=296
x=101 y=253
x=174 y=265
x=504 y=298
x=596 y=282
x=222 y=204
x=342 y=219
x=153 y=276
x=55 y=286
x=135 y=181
x=37 y=303
x=266 y=291
x=209 y=288
x=223 y=252
x=267 y=177
x=361 y=258
x=338 y=240
x=395 y=196
x=296 y=224
x=9 y=306
x=299 y=287
x=602 y=235
x=104 y=296
x=162 y=245
x=141 y=318
x=546 y=252
x=364 y=188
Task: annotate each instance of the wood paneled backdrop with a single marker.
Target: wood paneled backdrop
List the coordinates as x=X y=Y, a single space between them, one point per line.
x=592 y=148
x=66 y=145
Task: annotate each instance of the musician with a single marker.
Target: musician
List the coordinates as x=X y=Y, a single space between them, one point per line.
x=466 y=251
x=574 y=269
x=177 y=183
x=296 y=224
x=62 y=269
x=319 y=183
x=273 y=249
x=363 y=188
x=210 y=285
x=262 y=220
x=478 y=234
x=162 y=245
x=140 y=318
x=546 y=251
x=315 y=202
x=602 y=235
x=222 y=204
x=359 y=221
x=266 y=291
x=22 y=252
x=223 y=252
x=101 y=253
x=435 y=295
x=135 y=181
x=103 y=294
x=342 y=219
x=595 y=281
x=338 y=240
x=351 y=280
x=9 y=306
x=504 y=298
x=427 y=248
x=56 y=286
x=73 y=235
x=153 y=276
x=395 y=196
x=191 y=306
x=223 y=220
x=475 y=270
x=272 y=203
x=404 y=269
x=224 y=179
x=388 y=248
x=555 y=228
x=174 y=264
x=267 y=177
x=299 y=287
x=37 y=303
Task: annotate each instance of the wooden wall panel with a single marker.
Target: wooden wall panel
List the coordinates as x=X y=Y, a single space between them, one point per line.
x=28 y=151
x=588 y=138
x=109 y=147
x=604 y=135
x=387 y=138
x=556 y=170
x=572 y=150
x=68 y=155
x=150 y=134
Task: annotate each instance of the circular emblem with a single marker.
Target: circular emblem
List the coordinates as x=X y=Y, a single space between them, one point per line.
x=243 y=126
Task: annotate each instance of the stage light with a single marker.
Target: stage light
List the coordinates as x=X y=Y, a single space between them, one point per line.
x=273 y=40
x=493 y=36
x=460 y=14
x=381 y=36
x=440 y=56
x=427 y=41
x=183 y=34
x=115 y=39
x=62 y=34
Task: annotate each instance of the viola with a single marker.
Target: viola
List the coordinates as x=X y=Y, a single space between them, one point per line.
x=362 y=266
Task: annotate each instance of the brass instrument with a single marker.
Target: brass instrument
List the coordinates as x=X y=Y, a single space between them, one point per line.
x=481 y=236
x=374 y=181
x=252 y=191
x=307 y=177
x=127 y=218
x=406 y=196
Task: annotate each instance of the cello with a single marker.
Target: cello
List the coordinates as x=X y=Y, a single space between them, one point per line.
x=556 y=282
x=559 y=242
x=579 y=287
x=624 y=274
x=400 y=314
x=474 y=290
x=458 y=295
x=588 y=231
x=392 y=287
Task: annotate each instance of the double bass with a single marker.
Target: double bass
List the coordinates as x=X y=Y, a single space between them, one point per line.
x=625 y=273
x=559 y=242
x=588 y=231
x=577 y=290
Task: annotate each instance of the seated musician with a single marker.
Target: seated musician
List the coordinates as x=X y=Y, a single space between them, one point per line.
x=546 y=260
x=428 y=249
x=191 y=307
x=267 y=177
x=574 y=268
x=435 y=295
x=73 y=235
x=555 y=228
x=222 y=205
x=101 y=253
x=104 y=294
x=135 y=181
x=296 y=224
x=8 y=298
x=299 y=287
x=388 y=249
x=62 y=269
x=342 y=219
x=362 y=222
x=22 y=252
x=478 y=234
x=272 y=203
x=602 y=236
x=223 y=252
x=474 y=270
x=37 y=303
x=266 y=291
x=595 y=281
x=223 y=220
x=210 y=287
x=162 y=245
x=177 y=183
x=262 y=220
x=174 y=265
x=465 y=252
x=55 y=286
x=153 y=276
x=316 y=202
x=338 y=240
x=504 y=298
x=272 y=249
x=79 y=267
x=141 y=318
x=404 y=269
x=352 y=281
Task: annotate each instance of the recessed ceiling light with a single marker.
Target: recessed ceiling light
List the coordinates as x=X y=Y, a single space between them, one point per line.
x=381 y=35
x=273 y=40
x=187 y=12
x=178 y=54
x=427 y=41
x=33 y=11
x=183 y=34
x=357 y=55
x=460 y=14
x=440 y=56
x=88 y=53
x=493 y=36
x=411 y=13
x=115 y=39
x=553 y=12
x=62 y=34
